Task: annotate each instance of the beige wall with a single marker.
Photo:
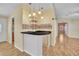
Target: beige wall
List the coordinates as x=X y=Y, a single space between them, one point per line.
x=18 y=38
x=3 y=29
x=54 y=32
x=73 y=27
x=10 y=30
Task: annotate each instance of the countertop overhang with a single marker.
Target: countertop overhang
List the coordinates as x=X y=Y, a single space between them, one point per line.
x=37 y=32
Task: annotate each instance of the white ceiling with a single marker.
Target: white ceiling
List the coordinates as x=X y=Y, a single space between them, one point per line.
x=67 y=10
x=63 y=10
x=38 y=6
x=7 y=8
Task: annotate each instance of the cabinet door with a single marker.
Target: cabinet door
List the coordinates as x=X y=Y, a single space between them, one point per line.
x=33 y=44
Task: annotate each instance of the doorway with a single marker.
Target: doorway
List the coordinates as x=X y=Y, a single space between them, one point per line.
x=13 y=32
x=62 y=28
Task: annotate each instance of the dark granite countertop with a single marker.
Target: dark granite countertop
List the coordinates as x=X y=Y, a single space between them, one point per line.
x=37 y=32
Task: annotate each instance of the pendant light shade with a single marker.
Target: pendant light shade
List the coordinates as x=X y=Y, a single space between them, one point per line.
x=29 y=15
x=34 y=14
x=42 y=17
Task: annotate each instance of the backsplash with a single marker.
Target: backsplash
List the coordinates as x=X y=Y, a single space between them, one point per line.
x=37 y=26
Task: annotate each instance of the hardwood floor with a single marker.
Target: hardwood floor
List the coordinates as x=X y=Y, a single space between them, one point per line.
x=69 y=47
x=7 y=50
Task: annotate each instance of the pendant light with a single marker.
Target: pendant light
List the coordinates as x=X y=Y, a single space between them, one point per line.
x=39 y=12
x=29 y=15
x=42 y=17
x=34 y=14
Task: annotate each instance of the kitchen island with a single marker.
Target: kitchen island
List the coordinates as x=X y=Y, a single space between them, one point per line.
x=33 y=41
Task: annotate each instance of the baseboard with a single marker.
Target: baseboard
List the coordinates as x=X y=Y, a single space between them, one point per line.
x=23 y=51
x=19 y=48
x=2 y=41
x=28 y=53
x=73 y=38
